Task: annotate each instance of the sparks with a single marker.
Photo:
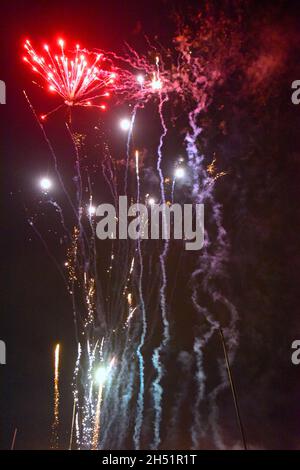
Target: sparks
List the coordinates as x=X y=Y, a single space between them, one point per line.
x=91 y=210
x=56 y=398
x=101 y=376
x=74 y=76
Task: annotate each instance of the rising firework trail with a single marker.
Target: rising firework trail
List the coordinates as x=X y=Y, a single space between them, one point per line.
x=55 y=425
x=97 y=418
x=140 y=400
x=156 y=357
x=101 y=377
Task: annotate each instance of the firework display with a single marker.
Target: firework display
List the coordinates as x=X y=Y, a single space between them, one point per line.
x=118 y=318
x=132 y=208
x=56 y=397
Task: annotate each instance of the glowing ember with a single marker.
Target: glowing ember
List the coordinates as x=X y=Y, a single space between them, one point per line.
x=179 y=172
x=125 y=124
x=45 y=184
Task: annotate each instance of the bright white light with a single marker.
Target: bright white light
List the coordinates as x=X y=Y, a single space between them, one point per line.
x=91 y=210
x=156 y=84
x=140 y=79
x=151 y=201
x=179 y=172
x=45 y=184
x=101 y=375
x=125 y=124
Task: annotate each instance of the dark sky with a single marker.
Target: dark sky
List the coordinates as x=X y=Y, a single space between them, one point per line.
x=260 y=197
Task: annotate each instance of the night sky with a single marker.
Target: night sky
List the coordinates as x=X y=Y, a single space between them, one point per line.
x=252 y=128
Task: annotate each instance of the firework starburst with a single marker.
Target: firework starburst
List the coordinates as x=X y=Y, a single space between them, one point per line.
x=78 y=78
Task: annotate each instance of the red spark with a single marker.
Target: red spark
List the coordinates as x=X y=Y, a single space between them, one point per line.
x=76 y=78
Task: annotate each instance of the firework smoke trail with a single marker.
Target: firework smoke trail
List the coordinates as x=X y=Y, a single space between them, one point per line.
x=124 y=404
x=55 y=425
x=129 y=137
x=198 y=425
x=173 y=189
x=212 y=265
x=196 y=163
x=137 y=78
x=199 y=75
x=140 y=400
x=214 y=413
x=156 y=360
x=185 y=361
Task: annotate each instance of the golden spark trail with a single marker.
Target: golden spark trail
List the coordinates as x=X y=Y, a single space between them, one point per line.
x=56 y=398
x=96 y=432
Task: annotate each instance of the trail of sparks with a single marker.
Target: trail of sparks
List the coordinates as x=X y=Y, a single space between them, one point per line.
x=156 y=360
x=75 y=395
x=96 y=432
x=103 y=376
x=55 y=426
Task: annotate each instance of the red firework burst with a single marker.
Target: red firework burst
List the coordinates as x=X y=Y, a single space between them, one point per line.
x=76 y=78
